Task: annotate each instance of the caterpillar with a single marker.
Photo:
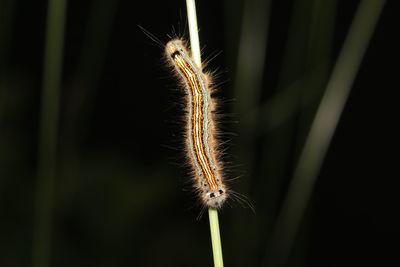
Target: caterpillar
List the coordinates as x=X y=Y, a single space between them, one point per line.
x=200 y=125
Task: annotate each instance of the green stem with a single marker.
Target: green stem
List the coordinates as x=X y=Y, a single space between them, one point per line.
x=215 y=238
x=196 y=55
x=193 y=32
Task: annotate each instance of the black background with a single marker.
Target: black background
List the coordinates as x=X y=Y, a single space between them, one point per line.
x=122 y=191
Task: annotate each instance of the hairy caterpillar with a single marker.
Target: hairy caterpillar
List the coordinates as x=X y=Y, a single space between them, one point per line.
x=200 y=125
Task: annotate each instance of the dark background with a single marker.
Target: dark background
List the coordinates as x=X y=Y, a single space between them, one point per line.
x=122 y=196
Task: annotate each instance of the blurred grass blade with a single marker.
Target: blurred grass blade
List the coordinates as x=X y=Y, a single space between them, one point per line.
x=303 y=76
x=323 y=128
x=250 y=63
x=80 y=93
x=249 y=70
x=47 y=151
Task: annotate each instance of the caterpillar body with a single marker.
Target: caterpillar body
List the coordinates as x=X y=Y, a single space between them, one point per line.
x=200 y=125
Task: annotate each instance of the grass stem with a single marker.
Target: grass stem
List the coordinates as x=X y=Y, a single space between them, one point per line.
x=193 y=32
x=215 y=237
x=196 y=55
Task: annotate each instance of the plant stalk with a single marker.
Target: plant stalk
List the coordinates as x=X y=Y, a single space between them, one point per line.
x=196 y=55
